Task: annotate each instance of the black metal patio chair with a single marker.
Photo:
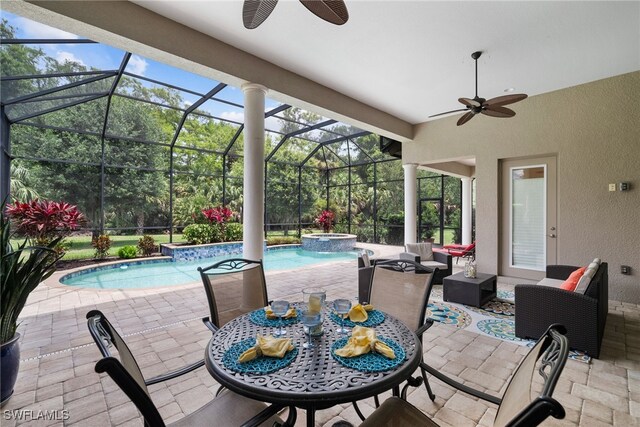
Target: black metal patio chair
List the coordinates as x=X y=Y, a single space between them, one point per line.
x=228 y=408
x=516 y=408
x=234 y=287
x=402 y=289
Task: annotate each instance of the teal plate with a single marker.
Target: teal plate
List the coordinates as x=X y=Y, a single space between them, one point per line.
x=259 y=317
x=375 y=318
x=370 y=362
x=260 y=365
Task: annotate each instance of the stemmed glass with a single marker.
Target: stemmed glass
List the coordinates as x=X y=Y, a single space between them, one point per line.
x=280 y=308
x=310 y=319
x=342 y=307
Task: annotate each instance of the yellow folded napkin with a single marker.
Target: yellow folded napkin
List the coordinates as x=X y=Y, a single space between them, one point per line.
x=267 y=346
x=270 y=315
x=358 y=312
x=362 y=341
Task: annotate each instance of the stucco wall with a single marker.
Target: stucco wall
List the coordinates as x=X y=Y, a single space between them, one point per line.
x=594 y=130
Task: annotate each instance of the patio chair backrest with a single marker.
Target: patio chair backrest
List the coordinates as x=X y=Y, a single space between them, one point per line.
x=402 y=289
x=234 y=287
x=549 y=356
x=123 y=368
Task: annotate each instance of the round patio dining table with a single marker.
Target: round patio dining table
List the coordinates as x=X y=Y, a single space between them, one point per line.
x=315 y=380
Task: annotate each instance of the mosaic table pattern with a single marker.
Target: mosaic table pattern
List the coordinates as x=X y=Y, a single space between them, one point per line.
x=315 y=379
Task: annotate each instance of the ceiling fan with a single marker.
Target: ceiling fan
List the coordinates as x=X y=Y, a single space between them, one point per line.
x=493 y=107
x=255 y=12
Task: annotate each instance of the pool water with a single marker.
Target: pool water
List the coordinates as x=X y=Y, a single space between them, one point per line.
x=168 y=273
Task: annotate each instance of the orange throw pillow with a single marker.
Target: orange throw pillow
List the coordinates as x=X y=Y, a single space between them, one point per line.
x=572 y=281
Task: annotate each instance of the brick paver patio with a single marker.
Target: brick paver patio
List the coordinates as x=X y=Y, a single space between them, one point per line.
x=163 y=328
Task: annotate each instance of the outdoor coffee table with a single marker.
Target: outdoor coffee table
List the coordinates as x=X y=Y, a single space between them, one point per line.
x=465 y=290
x=314 y=380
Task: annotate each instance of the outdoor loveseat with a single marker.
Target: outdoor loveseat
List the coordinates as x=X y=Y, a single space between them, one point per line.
x=583 y=311
x=429 y=257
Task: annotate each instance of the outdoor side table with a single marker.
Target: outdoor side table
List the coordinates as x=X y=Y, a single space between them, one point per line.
x=314 y=380
x=465 y=290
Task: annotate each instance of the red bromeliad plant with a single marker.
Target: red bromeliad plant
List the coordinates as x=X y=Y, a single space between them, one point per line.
x=219 y=216
x=44 y=220
x=325 y=220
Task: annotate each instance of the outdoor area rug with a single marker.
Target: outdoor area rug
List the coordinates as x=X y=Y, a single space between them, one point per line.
x=495 y=319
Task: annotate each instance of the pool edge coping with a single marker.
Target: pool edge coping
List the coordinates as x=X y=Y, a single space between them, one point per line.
x=54 y=280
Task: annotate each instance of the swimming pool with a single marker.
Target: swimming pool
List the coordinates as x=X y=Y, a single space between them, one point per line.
x=158 y=273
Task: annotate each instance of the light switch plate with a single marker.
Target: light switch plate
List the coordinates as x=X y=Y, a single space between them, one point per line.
x=612 y=187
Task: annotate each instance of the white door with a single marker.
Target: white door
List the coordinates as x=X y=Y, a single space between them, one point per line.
x=528 y=217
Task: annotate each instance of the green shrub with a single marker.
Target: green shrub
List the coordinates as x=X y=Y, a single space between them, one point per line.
x=147 y=245
x=233 y=232
x=101 y=244
x=199 y=234
x=282 y=240
x=128 y=252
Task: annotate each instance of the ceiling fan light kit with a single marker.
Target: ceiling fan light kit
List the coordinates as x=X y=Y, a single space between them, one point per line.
x=493 y=107
x=255 y=12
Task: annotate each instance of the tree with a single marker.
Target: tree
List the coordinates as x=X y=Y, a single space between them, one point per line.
x=21 y=184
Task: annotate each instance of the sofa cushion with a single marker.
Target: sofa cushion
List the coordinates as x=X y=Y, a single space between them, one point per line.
x=424 y=250
x=584 y=281
x=434 y=264
x=553 y=283
x=572 y=281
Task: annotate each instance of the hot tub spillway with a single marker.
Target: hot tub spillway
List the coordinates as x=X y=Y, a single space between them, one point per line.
x=328 y=242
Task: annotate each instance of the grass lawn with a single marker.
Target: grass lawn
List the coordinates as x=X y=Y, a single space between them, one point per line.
x=81 y=245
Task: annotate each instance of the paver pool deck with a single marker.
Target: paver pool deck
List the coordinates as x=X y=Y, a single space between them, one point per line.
x=163 y=328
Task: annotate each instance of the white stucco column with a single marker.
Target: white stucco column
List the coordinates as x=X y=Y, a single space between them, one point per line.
x=467 y=208
x=410 y=203
x=253 y=186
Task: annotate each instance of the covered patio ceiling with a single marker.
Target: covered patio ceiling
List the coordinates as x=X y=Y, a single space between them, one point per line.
x=412 y=58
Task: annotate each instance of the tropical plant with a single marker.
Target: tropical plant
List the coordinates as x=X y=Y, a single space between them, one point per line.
x=22 y=270
x=44 y=220
x=101 y=244
x=199 y=234
x=233 y=232
x=282 y=240
x=21 y=184
x=128 y=252
x=218 y=216
x=147 y=245
x=325 y=220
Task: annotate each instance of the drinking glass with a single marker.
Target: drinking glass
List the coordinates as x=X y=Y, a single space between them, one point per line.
x=342 y=307
x=280 y=308
x=310 y=319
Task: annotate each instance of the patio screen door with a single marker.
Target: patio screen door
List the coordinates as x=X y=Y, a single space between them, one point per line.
x=528 y=224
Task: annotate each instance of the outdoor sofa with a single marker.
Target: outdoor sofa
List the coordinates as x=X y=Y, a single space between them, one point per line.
x=582 y=311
